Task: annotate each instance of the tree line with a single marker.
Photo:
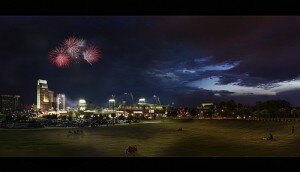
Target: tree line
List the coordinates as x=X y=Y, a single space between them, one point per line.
x=264 y=109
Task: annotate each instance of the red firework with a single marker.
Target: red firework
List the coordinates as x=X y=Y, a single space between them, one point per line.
x=91 y=54
x=59 y=57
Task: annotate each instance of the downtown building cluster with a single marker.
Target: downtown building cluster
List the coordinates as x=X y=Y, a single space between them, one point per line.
x=46 y=99
x=48 y=103
x=122 y=108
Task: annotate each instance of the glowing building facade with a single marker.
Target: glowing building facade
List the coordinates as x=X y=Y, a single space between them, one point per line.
x=43 y=96
x=82 y=105
x=52 y=99
x=61 y=102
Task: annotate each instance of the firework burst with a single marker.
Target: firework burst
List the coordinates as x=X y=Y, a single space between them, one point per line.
x=73 y=46
x=91 y=54
x=81 y=43
x=74 y=49
x=60 y=57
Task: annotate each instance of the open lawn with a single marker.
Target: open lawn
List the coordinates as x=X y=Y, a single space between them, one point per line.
x=224 y=138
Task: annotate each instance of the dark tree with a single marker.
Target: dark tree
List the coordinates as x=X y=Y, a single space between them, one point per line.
x=121 y=117
x=70 y=118
x=8 y=118
x=130 y=117
x=193 y=111
x=87 y=116
x=274 y=108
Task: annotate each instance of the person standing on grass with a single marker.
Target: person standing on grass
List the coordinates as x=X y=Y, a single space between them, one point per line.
x=293 y=129
x=270 y=137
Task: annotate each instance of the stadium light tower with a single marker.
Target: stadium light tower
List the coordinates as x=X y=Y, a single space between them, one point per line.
x=156 y=99
x=124 y=101
x=142 y=101
x=112 y=102
x=130 y=94
x=132 y=98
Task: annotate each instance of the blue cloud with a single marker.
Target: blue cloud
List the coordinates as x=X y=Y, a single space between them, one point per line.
x=180 y=74
x=222 y=66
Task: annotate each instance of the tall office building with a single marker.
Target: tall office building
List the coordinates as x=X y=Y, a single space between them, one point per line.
x=51 y=96
x=43 y=97
x=10 y=102
x=52 y=99
x=61 y=102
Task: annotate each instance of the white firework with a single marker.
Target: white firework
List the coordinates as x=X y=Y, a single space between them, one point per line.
x=81 y=43
x=91 y=54
x=87 y=56
x=74 y=46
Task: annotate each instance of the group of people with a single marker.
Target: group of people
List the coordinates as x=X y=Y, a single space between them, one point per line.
x=131 y=150
x=270 y=137
x=75 y=132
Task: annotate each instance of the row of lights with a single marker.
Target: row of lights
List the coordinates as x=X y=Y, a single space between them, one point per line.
x=112 y=100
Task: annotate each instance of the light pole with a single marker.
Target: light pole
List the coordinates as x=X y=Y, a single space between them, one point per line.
x=132 y=98
x=130 y=94
x=126 y=94
x=156 y=99
x=112 y=101
x=154 y=96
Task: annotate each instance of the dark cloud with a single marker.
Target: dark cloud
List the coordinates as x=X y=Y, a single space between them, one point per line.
x=267 y=47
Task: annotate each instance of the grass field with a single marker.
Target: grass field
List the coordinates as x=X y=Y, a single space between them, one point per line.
x=198 y=138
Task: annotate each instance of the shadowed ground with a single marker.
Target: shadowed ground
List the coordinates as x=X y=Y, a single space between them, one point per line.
x=198 y=138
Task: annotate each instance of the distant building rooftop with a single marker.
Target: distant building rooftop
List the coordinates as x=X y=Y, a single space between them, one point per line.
x=207 y=104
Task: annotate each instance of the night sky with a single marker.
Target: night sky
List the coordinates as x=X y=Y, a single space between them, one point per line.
x=185 y=60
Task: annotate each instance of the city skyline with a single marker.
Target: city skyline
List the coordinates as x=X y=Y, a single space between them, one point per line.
x=149 y=86
x=185 y=60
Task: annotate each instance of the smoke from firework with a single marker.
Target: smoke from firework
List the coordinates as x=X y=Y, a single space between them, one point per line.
x=71 y=103
x=74 y=49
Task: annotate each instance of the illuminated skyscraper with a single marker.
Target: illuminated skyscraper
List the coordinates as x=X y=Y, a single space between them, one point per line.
x=43 y=98
x=82 y=105
x=61 y=102
x=51 y=96
x=52 y=99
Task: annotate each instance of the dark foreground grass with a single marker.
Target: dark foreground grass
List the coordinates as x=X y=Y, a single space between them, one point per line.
x=198 y=138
